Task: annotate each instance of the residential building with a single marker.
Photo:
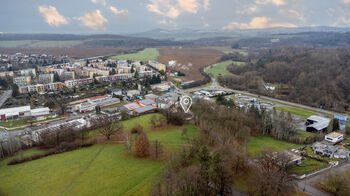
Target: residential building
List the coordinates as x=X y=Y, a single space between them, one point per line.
x=334 y=137
x=22 y=80
x=317 y=124
x=45 y=78
x=158 y=66
x=67 y=75
x=161 y=87
x=28 y=72
x=5 y=74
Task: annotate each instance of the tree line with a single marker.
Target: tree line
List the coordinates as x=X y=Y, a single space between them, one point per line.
x=315 y=77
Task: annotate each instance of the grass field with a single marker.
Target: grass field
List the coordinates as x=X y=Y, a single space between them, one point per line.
x=258 y=144
x=14 y=123
x=144 y=55
x=295 y=111
x=307 y=166
x=103 y=169
x=305 y=134
x=220 y=68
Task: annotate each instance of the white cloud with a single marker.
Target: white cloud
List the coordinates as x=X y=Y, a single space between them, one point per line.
x=248 y=10
x=275 y=2
x=51 y=16
x=206 y=4
x=102 y=2
x=94 y=20
x=258 y=23
x=167 y=22
x=190 y=6
x=119 y=12
x=174 y=8
x=294 y=14
x=345 y=1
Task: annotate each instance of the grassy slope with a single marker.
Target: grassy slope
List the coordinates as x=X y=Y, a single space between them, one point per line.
x=144 y=55
x=258 y=144
x=103 y=169
x=220 y=68
x=295 y=111
x=308 y=166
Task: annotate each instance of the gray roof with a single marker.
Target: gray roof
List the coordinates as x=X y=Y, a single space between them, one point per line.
x=319 y=122
x=144 y=109
x=147 y=102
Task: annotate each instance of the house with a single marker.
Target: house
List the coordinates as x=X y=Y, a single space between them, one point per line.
x=327 y=149
x=334 y=137
x=161 y=87
x=317 y=124
x=133 y=93
x=294 y=158
x=28 y=72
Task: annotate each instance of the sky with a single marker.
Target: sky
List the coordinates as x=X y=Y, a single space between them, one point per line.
x=131 y=16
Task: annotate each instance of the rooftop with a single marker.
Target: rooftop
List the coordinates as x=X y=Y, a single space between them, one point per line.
x=334 y=135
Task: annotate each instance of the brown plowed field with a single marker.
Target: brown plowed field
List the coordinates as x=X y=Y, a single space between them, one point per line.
x=189 y=60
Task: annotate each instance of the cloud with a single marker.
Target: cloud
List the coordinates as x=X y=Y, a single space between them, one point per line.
x=94 y=20
x=345 y=1
x=294 y=14
x=51 y=16
x=167 y=22
x=258 y=23
x=206 y=4
x=102 y=2
x=190 y=6
x=275 y=2
x=119 y=12
x=174 y=8
x=248 y=10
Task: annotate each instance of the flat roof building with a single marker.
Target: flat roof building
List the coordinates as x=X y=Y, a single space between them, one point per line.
x=334 y=137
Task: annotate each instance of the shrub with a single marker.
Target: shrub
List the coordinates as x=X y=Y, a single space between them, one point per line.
x=142 y=146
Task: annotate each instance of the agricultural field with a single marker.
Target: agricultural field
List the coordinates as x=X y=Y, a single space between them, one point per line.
x=38 y=44
x=78 y=52
x=190 y=60
x=295 y=111
x=220 y=68
x=103 y=169
x=144 y=55
x=258 y=144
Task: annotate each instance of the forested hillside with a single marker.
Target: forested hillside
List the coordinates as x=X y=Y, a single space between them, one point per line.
x=316 y=77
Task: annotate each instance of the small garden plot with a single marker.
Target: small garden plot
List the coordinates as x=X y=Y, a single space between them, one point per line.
x=308 y=166
x=256 y=145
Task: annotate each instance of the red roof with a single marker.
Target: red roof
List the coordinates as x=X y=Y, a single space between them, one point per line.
x=99 y=97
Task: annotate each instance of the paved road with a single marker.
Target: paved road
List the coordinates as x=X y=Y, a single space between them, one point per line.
x=311 y=182
x=7 y=94
x=216 y=86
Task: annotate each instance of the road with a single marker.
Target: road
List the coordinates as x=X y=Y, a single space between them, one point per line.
x=7 y=94
x=216 y=86
x=311 y=182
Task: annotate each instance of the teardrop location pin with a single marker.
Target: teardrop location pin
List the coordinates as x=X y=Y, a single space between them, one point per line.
x=186 y=103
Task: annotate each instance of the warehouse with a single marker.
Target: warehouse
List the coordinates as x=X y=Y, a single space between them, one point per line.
x=317 y=124
x=22 y=112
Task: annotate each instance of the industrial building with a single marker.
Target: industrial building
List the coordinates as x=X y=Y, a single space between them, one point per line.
x=90 y=104
x=317 y=124
x=24 y=111
x=140 y=107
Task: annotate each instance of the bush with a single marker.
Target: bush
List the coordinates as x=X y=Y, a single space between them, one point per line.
x=63 y=147
x=142 y=146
